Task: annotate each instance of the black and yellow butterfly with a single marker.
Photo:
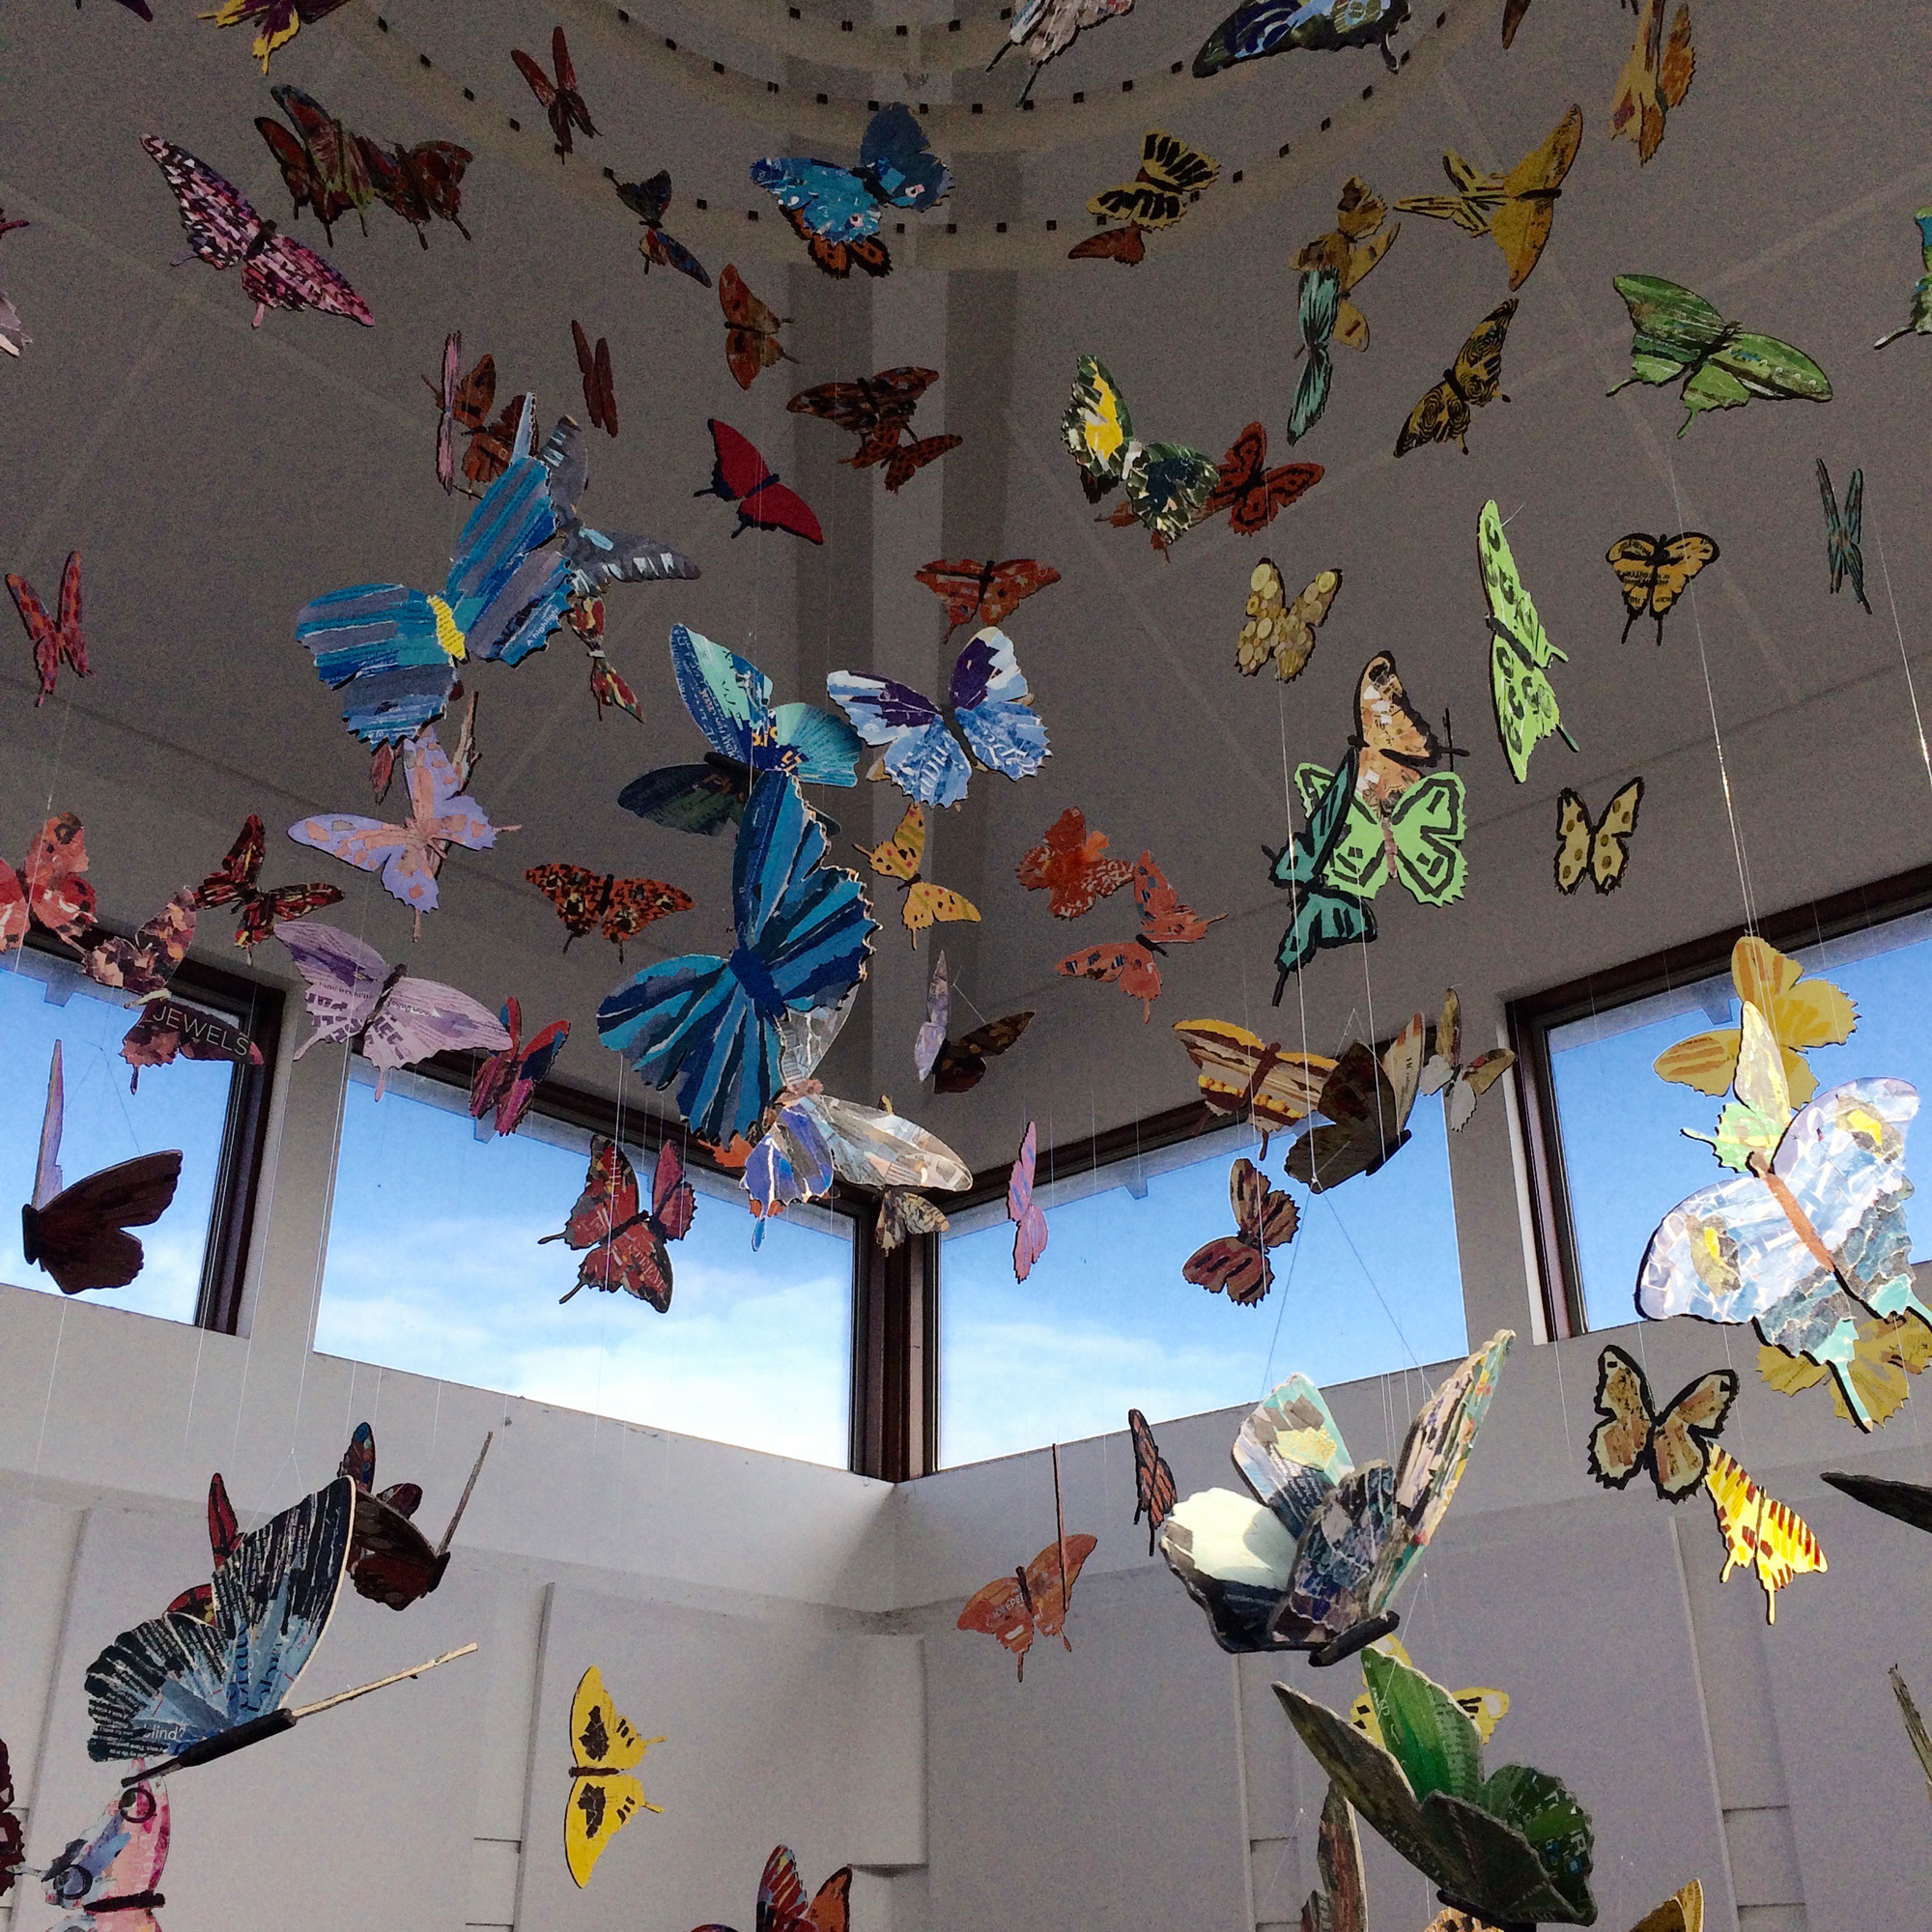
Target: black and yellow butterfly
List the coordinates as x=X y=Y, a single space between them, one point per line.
x=1655 y=571
x=1157 y=197
x=1475 y=378
x=604 y=1797
x=1603 y=849
x=1673 y=1443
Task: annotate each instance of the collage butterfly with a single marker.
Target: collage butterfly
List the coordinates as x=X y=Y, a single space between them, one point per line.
x=900 y=858
x=1761 y=1535
x=586 y=900
x=1461 y=1082
x=49 y=888
x=114 y=1878
x=390 y=1560
x=1258 y=28
x=56 y=640
x=648 y=200
x=1349 y=251
x=1167 y=483
x=1135 y=964
x=1243 y=1075
x=960 y=1065
x=464 y=403
x=1278 y=629
x=1154 y=1492
x=751 y=342
x=1170 y=178
x=1317 y=310
x=878 y=410
x=1237 y=1264
x=1031 y=1602
x=593 y=368
x=14 y=336
x=1251 y=493
x=625 y=1245
x=1042 y=29
x=1655 y=572
x=1473 y=381
x=1885 y=1358
x=1321 y=916
x=1339 y=1902
x=1672 y=1442
x=1485 y=1707
x=782 y=1904
x=1028 y=1217
x=144 y=965
x=604 y=1749
x=557 y=91
x=1843 y=531
x=744 y=479
x=1519 y=651
x=167 y=1029
x=1068 y=865
x=233 y=883
x=1364 y=1106
x=1655 y=78
x=276 y=22
x=507 y=1082
x=903 y=1215
x=1599 y=848
x=1922 y=293
x=982 y=593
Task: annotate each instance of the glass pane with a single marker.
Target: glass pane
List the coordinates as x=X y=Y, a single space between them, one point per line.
x=434 y=1267
x=183 y=1105
x=1104 y=1321
x=1625 y=1156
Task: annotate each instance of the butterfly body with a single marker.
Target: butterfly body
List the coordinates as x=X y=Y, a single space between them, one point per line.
x=1237 y=1264
x=1520 y=650
x=56 y=640
x=604 y=1796
x=1262 y=27
x=1164 y=921
x=743 y=478
x=1471 y=382
x=1515 y=210
x=1653 y=572
x=625 y=1245
x=557 y=91
x=1033 y=1601
x=1599 y=849
x=900 y=858
x=1843 y=530
x=751 y=342
x=1672 y=1442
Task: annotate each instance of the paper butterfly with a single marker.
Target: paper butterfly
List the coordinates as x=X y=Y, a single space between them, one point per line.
x=960 y=1065
x=902 y=1215
x=1317 y=312
x=600 y=397
x=1313 y=1564
x=232 y=883
x=13 y=1839
x=223 y=229
x=445 y=393
x=1672 y=1443
x=1460 y=1083
x=1515 y=210
x=54 y=642
x=730 y=699
x=1265 y=1218
x=1485 y=1708
x=1164 y=921
x=556 y=95
x=507 y=1082
x=1599 y=849
x=1340 y=1901
x=1033 y=1601
x=390 y=1560
x=1474 y=380
x=1513 y=1848
x=1842 y=532
x=597 y=558
x=1277 y=629
x=1252 y=493
x=114 y=1878
x=1262 y=27
x=1322 y=916
x=751 y=342
x=1240 y=1074
x=878 y=410
x=986 y=593
x=585 y=899
x=1922 y=293
x=898 y=858
x=395 y=650
x=1349 y=251
x=1068 y=866
x=1121 y=245
x=1028 y=1217
x=14 y=336
x=48 y=888
x=992 y=710
x=144 y=965
x=746 y=480
x=647 y=200
x=1655 y=78
x=1769 y=1538
x=603 y=1751
x=1905 y=1502
x=278 y=21
x=465 y=405
x=625 y=1243
x=1678 y=337
x=804 y=933
x=1915 y=1733
x=1171 y=176
x=409 y=856
x=836 y=211
x=78 y=1235
x=167 y=1029
x=781 y=1904
x=1154 y=1492
x=355 y=999
x=1167 y=484
x=1801 y=1018
x=1366 y=1101
x=1519 y=651
x=931 y=1033
x=1811 y=1234
x=1044 y=28
x=1887 y=1354
x=1653 y=572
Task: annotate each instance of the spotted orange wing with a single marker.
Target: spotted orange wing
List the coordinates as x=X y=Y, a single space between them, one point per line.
x=1068 y=867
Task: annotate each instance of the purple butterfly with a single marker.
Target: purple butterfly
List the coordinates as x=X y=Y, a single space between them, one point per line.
x=411 y=855
x=223 y=229
x=356 y=998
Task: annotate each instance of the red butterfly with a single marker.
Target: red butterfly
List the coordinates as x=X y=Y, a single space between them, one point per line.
x=1164 y=921
x=558 y=98
x=584 y=615
x=878 y=410
x=626 y=1244
x=167 y=1028
x=988 y=593
x=390 y=1560
x=1252 y=493
x=232 y=883
x=1114 y=245
x=48 y=887
x=840 y=258
x=224 y=1532
x=625 y=906
x=1154 y=1490
x=781 y=1904
x=507 y=1081
x=1067 y=864
x=599 y=397
x=1238 y=1263
x=53 y=642
x=1028 y=1217
x=743 y=478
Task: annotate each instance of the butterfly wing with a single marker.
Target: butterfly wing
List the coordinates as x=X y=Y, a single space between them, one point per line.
x=1003 y=1610
x=701 y=798
x=1680 y=1442
x=1068 y=867
x=1050 y=1579
x=1520 y=647
x=899 y=164
x=1622 y=1443
x=79 y=1237
x=961 y=1064
x=344 y=978
x=609 y=1199
x=1096 y=428
x=922 y=757
x=1611 y=837
x=123 y=1860
x=217 y=220
x=1768 y=1536
x=1521 y=224
x=634 y=904
x=1022 y=1210
x=1155 y=1491
x=420 y=1018
x=1366 y=1127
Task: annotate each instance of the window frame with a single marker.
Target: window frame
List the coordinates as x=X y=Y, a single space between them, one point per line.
x=1531 y=1019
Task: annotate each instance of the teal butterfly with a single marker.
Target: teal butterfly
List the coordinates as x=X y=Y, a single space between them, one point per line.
x=1922 y=293
x=1322 y=915
x=1843 y=529
x=1320 y=307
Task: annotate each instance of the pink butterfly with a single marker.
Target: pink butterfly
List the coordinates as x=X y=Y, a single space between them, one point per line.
x=411 y=855
x=1023 y=1211
x=390 y=1019
x=55 y=641
x=223 y=229
x=507 y=1081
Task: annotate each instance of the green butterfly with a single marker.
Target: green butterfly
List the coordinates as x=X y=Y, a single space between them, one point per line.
x=1422 y=843
x=1512 y=1849
x=1679 y=335
x=1322 y=915
x=1519 y=651
x=1922 y=293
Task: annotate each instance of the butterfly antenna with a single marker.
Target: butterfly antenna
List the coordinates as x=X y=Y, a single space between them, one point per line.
x=463 y=1502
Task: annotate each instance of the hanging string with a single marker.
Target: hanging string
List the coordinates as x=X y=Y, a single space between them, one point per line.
x=1905 y=662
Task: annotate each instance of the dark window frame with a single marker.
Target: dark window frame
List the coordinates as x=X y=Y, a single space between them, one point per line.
x=1531 y=1019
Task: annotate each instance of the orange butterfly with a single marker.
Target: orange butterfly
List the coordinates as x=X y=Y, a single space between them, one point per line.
x=1164 y=921
x=1251 y=493
x=751 y=342
x=1112 y=244
x=1068 y=866
x=1032 y=1601
x=1265 y=1217
x=989 y=591
x=600 y=398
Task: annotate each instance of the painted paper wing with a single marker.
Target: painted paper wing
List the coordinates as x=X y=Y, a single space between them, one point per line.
x=1154 y=1492
x=1033 y=1601
x=114 y=1878
x=420 y=1018
x=1242 y=1073
x=931 y=1034
x=1028 y=1217
x=605 y=1749
x=1909 y=1503
x=344 y=978
x=1340 y=1903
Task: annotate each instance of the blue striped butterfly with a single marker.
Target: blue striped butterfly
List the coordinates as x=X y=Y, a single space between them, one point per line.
x=1262 y=27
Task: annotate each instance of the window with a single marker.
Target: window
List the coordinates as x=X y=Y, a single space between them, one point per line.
x=1105 y=1321
x=214 y=1111
x=434 y=1267
x=1608 y=1157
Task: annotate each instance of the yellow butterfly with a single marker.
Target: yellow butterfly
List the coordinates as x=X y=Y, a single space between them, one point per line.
x=898 y=859
x=1349 y=251
x=1516 y=209
x=1799 y=1017
x=1443 y=413
x=1655 y=572
x=1656 y=76
x=1769 y=1537
x=1277 y=629
x=603 y=1797
x=1603 y=849
x=1485 y=1709
x=1885 y=1354
x=1157 y=197
x=1682 y=1912
x=1242 y=1073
